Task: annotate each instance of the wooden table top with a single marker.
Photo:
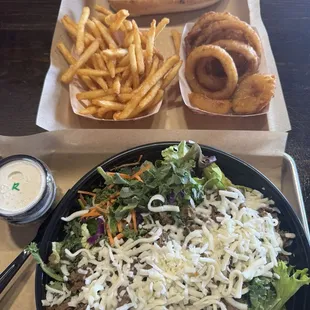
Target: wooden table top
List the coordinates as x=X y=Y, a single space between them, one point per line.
x=26 y=31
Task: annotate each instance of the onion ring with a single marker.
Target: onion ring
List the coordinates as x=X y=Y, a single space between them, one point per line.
x=209 y=105
x=204 y=21
x=208 y=34
x=207 y=79
x=254 y=94
x=245 y=50
x=227 y=62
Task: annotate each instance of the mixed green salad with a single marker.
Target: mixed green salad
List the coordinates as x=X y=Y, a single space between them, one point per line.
x=171 y=234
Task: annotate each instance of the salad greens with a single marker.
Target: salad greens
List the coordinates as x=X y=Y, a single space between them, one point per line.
x=272 y=294
x=182 y=177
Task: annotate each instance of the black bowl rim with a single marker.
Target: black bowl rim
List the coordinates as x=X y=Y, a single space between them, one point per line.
x=114 y=158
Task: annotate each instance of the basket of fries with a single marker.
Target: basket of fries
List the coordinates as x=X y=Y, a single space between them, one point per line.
x=115 y=71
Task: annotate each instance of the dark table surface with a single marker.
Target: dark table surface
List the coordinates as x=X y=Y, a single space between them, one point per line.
x=26 y=30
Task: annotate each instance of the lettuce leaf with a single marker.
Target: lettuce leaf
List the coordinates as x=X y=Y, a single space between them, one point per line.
x=272 y=294
x=215 y=177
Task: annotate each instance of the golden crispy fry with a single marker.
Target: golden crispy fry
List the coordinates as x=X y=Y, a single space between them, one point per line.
x=89 y=110
x=159 y=97
x=93 y=72
x=171 y=74
x=110 y=63
x=116 y=85
x=128 y=82
x=100 y=63
x=115 y=53
x=134 y=66
x=120 y=69
x=102 y=10
x=105 y=33
x=81 y=30
x=125 y=74
x=150 y=46
x=96 y=33
x=128 y=25
x=125 y=61
x=254 y=93
x=71 y=60
x=69 y=74
x=161 y=26
x=210 y=105
x=101 y=112
x=176 y=36
x=115 y=106
x=99 y=80
x=138 y=48
x=93 y=94
x=147 y=100
x=109 y=114
x=155 y=65
x=107 y=98
x=124 y=97
x=129 y=39
x=146 y=86
x=120 y=18
x=126 y=90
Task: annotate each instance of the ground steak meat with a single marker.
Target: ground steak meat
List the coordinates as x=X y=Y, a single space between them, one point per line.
x=125 y=299
x=76 y=281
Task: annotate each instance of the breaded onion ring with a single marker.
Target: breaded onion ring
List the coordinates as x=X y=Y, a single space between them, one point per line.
x=209 y=105
x=245 y=50
x=227 y=62
x=207 y=79
x=254 y=94
x=217 y=28
x=204 y=21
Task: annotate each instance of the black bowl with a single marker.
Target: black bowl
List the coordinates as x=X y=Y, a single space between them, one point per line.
x=236 y=170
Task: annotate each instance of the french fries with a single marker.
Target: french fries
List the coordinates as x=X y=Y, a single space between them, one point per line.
x=123 y=75
x=176 y=37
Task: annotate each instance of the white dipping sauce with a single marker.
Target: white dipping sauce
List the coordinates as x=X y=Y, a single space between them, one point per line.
x=22 y=183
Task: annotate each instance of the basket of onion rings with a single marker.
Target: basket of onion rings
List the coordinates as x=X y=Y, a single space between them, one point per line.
x=223 y=64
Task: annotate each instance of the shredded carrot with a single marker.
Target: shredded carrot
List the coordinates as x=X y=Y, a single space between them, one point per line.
x=86 y=193
x=123 y=175
x=128 y=165
x=109 y=235
x=100 y=210
x=120 y=236
x=138 y=178
x=119 y=227
x=143 y=169
x=110 y=186
x=91 y=213
x=134 y=220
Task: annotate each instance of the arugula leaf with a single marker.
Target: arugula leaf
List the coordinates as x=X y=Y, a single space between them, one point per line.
x=112 y=224
x=289 y=283
x=215 y=177
x=175 y=152
x=32 y=248
x=108 y=179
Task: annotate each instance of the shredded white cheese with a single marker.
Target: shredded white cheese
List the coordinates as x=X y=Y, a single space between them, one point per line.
x=206 y=269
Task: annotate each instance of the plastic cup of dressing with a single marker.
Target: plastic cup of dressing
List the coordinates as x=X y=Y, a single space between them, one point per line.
x=27 y=189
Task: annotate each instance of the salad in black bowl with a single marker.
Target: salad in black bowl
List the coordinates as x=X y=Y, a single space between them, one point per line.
x=174 y=233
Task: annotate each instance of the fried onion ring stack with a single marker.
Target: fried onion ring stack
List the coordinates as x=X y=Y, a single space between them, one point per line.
x=223 y=54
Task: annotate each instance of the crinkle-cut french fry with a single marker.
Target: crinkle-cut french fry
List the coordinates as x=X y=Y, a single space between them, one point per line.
x=93 y=72
x=89 y=110
x=96 y=33
x=115 y=53
x=81 y=30
x=134 y=66
x=69 y=74
x=150 y=46
x=105 y=33
x=71 y=60
x=176 y=37
x=161 y=25
x=147 y=100
x=146 y=86
x=138 y=49
x=171 y=74
x=120 y=17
